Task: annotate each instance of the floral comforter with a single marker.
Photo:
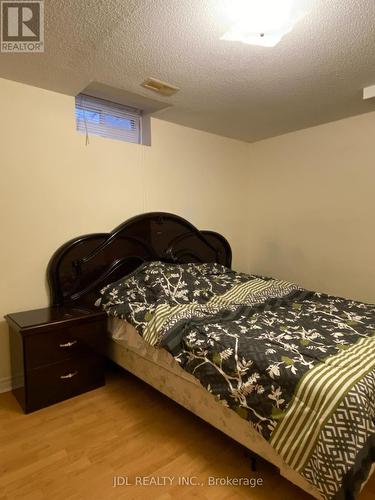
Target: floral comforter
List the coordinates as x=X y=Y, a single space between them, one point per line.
x=298 y=365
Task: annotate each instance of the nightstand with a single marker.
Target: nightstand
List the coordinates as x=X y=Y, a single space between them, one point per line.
x=56 y=353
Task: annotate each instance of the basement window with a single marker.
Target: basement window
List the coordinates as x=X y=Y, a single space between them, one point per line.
x=108 y=119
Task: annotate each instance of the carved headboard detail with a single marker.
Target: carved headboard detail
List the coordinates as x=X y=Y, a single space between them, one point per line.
x=82 y=266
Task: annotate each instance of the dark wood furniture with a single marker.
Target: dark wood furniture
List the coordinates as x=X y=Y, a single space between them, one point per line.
x=56 y=353
x=83 y=265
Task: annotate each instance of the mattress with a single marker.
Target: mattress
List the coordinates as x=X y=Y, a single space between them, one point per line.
x=158 y=368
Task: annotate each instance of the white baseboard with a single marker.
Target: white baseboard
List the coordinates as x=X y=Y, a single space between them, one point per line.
x=5 y=384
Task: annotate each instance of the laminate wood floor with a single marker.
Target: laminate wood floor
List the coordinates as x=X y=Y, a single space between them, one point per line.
x=74 y=450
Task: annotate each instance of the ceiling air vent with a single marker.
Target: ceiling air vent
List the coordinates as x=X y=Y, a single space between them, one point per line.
x=369 y=92
x=160 y=87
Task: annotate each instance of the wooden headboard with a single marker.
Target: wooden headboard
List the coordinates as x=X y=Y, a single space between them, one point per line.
x=82 y=266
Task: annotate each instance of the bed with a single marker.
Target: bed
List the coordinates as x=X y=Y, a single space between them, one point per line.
x=86 y=265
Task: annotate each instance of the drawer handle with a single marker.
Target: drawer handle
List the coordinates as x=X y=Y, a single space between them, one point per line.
x=69 y=375
x=68 y=344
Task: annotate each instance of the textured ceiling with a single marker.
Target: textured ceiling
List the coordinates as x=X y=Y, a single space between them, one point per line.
x=315 y=75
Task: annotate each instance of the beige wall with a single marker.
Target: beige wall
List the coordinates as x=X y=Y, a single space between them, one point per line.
x=299 y=206
x=53 y=187
x=312 y=207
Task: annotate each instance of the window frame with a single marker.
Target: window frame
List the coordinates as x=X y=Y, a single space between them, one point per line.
x=85 y=103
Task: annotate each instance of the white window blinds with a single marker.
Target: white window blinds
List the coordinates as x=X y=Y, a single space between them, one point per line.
x=108 y=119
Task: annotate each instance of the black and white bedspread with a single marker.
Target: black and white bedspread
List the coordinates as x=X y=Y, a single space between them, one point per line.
x=298 y=365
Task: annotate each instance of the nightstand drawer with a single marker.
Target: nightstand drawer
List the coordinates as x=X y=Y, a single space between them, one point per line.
x=56 y=353
x=60 y=381
x=43 y=349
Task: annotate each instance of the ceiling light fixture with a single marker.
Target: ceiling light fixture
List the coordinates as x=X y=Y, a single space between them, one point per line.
x=262 y=22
